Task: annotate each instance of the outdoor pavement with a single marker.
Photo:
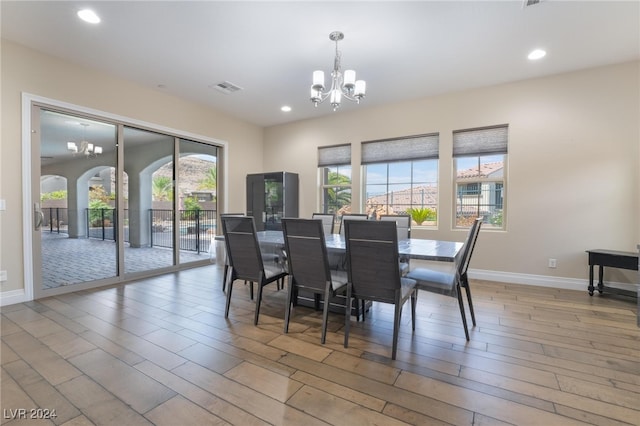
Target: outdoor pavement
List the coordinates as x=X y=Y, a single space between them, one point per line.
x=68 y=261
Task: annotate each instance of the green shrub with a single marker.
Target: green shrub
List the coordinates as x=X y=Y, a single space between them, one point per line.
x=95 y=212
x=422 y=214
x=496 y=218
x=192 y=203
x=55 y=195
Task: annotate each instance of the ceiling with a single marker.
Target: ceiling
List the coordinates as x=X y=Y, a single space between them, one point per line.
x=404 y=50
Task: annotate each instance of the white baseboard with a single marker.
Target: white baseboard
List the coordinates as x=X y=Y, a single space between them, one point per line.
x=542 y=280
x=12 y=297
x=19 y=296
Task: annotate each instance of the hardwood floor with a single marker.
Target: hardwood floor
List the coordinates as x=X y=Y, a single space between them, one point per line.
x=159 y=351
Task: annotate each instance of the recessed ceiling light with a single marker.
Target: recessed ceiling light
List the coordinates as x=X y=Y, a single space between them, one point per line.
x=285 y=108
x=89 y=16
x=536 y=54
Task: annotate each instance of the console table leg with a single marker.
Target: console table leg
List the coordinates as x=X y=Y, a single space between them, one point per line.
x=590 y=288
x=600 y=279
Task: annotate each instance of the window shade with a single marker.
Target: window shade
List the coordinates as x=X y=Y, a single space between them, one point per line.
x=485 y=140
x=336 y=155
x=419 y=147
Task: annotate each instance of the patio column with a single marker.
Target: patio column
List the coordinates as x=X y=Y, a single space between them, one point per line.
x=139 y=205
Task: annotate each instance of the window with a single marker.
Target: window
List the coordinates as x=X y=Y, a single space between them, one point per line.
x=401 y=177
x=334 y=164
x=480 y=160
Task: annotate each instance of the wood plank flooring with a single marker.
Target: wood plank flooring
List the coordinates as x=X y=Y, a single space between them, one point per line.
x=159 y=351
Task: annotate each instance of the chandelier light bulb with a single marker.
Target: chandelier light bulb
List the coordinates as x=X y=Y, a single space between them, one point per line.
x=336 y=97
x=349 y=79
x=318 y=80
x=361 y=87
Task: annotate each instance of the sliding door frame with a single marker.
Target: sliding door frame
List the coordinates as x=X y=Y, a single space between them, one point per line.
x=30 y=125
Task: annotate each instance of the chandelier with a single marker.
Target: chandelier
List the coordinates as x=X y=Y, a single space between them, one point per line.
x=342 y=85
x=85 y=148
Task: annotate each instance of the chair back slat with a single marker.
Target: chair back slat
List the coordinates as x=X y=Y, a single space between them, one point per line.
x=242 y=246
x=372 y=259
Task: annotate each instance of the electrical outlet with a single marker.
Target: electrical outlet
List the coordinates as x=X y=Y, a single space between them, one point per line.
x=552 y=263
x=3 y=276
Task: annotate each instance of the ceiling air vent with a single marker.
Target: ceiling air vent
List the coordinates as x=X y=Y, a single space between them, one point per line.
x=226 y=87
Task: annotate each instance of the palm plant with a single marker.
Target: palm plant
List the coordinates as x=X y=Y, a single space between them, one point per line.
x=210 y=180
x=162 y=188
x=340 y=193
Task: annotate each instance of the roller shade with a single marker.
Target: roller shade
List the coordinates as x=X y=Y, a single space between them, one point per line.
x=481 y=141
x=336 y=155
x=420 y=147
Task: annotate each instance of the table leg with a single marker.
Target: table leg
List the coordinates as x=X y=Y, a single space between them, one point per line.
x=600 y=276
x=590 y=288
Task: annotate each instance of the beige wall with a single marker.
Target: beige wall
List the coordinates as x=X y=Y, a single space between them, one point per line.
x=573 y=175
x=24 y=70
x=574 y=155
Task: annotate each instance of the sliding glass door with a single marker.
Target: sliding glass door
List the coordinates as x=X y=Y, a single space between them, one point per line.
x=197 y=192
x=105 y=197
x=74 y=200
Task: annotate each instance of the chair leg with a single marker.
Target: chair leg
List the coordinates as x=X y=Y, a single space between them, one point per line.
x=465 y=284
x=396 y=326
x=347 y=316
x=287 y=312
x=224 y=277
x=229 y=288
x=464 y=316
x=258 y=300
x=414 y=302
x=360 y=307
x=325 y=311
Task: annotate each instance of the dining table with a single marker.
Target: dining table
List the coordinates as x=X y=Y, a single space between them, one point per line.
x=413 y=248
x=272 y=244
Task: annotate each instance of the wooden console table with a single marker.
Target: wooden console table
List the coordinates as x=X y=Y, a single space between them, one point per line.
x=614 y=259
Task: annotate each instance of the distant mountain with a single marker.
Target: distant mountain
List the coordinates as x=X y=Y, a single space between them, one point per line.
x=192 y=170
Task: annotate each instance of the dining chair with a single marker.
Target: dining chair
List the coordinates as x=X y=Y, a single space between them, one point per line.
x=328 y=219
x=351 y=216
x=309 y=266
x=226 y=257
x=246 y=260
x=451 y=281
x=373 y=271
x=403 y=225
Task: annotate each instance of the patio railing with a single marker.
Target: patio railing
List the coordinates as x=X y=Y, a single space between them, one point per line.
x=195 y=227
